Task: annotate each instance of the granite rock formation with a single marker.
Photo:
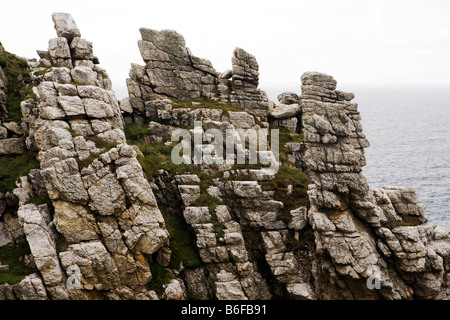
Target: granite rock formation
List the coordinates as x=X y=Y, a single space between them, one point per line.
x=106 y=214
x=172 y=70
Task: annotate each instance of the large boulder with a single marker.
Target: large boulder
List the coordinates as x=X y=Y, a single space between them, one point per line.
x=65 y=25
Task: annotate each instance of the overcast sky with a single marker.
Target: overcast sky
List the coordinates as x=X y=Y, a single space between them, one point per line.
x=395 y=43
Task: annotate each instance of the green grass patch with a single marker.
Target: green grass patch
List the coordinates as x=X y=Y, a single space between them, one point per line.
x=19 y=83
x=204 y=103
x=134 y=131
x=42 y=72
x=17 y=269
x=287 y=136
x=181 y=240
x=12 y=167
x=157 y=156
x=160 y=277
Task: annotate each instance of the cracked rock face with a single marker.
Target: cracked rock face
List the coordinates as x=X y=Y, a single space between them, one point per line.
x=104 y=209
x=359 y=228
x=101 y=233
x=172 y=70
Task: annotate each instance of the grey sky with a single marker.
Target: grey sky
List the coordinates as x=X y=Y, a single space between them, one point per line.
x=361 y=43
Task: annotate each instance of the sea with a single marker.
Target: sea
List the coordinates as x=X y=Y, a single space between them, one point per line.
x=409 y=134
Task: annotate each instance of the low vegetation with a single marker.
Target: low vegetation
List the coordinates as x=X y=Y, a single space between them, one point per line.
x=17 y=269
x=13 y=167
x=160 y=277
x=19 y=83
x=134 y=131
x=181 y=240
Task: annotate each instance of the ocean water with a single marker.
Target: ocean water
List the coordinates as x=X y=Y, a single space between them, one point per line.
x=409 y=134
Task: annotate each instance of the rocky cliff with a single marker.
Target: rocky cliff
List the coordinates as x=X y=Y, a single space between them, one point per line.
x=93 y=207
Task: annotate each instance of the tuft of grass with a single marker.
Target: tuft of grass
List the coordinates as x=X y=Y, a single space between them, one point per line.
x=42 y=72
x=287 y=136
x=17 y=270
x=13 y=167
x=160 y=277
x=183 y=248
x=19 y=83
x=157 y=156
x=134 y=131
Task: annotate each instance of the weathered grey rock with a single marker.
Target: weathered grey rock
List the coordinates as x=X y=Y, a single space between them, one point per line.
x=189 y=193
x=3 y=267
x=289 y=123
x=64 y=182
x=195 y=215
x=107 y=196
x=84 y=76
x=125 y=105
x=74 y=222
x=288 y=98
x=6 y=292
x=72 y=106
x=60 y=75
x=241 y=119
x=81 y=49
x=58 y=48
x=97 y=109
x=227 y=288
x=41 y=242
x=97 y=268
x=12 y=146
x=6 y=239
x=164 y=256
x=187 y=178
x=65 y=26
x=345 y=96
x=3 y=132
x=14 y=127
x=168 y=41
x=283 y=111
x=226 y=74
x=30 y=288
x=247 y=189
x=174 y=291
x=318 y=79
x=196 y=284
x=301 y=291
x=299 y=218
x=66 y=89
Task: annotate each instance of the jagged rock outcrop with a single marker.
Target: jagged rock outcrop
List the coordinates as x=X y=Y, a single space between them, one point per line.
x=104 y=219
x=172 y=70
x=102 y=206
x=364 y=230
